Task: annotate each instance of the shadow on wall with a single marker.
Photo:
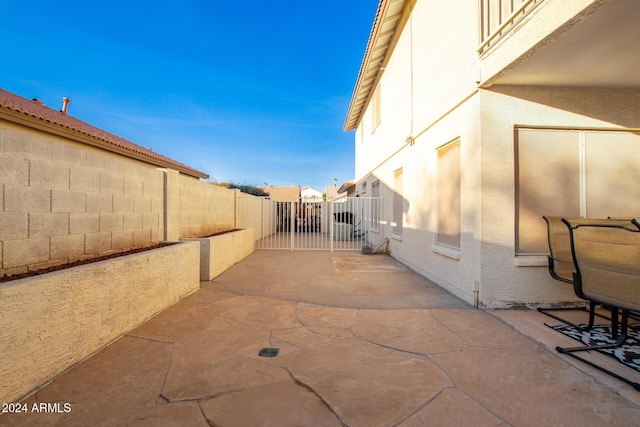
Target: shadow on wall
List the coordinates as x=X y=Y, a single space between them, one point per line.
x=616 y=106
x=392 y=210
x=575 y=171
x=472 y=269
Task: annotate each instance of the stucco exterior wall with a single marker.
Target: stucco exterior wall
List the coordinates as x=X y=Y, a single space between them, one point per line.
x=484 y=124
x=434 y=102
x=507 y=279
x=458 y=271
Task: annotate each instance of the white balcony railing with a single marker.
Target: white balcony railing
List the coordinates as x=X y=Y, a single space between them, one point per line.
x=498 y=17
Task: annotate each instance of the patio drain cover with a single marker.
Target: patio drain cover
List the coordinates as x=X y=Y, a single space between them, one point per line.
x=269 y=352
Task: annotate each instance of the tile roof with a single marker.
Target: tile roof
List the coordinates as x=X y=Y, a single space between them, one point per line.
x=37 y=110
x=346 y=186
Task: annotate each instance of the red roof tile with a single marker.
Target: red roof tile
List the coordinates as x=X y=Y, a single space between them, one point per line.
x=40 y=111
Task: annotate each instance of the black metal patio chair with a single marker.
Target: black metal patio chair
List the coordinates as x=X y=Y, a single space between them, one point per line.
x=607 y=262
x=561 y=264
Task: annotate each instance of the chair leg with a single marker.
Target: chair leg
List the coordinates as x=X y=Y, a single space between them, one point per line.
x=619 y=341
x=633 y=384
x=592 y=314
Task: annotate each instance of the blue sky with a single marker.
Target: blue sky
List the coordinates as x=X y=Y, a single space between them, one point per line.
x=252 y=92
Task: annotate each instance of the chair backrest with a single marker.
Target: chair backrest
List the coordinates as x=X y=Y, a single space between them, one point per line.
x=607 y=260
x=628 y=223
x=561 y=266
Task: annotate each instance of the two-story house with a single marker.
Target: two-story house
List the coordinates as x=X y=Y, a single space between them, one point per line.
x=473 y=118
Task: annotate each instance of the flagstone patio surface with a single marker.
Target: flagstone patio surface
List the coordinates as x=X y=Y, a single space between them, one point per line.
x=363 y=341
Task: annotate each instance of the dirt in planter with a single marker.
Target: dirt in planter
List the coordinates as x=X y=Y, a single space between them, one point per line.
x=80 y=262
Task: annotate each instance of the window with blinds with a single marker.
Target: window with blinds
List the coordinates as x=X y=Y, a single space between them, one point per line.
x=448 y=203
x=573 y=173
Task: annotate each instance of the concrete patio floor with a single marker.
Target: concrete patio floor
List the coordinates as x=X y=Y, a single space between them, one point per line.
x=363 y=341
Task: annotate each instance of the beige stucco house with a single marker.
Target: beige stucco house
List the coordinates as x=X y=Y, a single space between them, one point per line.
x=473 y=118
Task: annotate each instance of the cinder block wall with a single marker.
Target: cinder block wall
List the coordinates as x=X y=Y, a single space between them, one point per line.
x=205 y=208
x=62 y=201
x=249 y=214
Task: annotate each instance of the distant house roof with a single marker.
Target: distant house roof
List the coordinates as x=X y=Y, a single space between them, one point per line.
x=382 y=35
x=346 y=186
x=282 y=194
x=35 y=114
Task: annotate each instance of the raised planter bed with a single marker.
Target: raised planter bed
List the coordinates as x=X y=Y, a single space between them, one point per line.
x=53 y=321
x=221 y=251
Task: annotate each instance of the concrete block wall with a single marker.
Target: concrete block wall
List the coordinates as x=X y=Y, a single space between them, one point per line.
x=254 y=212
x=204 y=208
x=62 y=201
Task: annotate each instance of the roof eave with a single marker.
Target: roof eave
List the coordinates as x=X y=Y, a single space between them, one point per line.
x=374 y=57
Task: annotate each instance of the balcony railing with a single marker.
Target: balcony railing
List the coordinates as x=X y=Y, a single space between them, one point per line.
x=498 y=17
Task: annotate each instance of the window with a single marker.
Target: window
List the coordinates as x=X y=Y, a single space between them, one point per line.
x=398 y=203
x=376 y=116
x=560 y=172
x=375 y=206
x=448 y=204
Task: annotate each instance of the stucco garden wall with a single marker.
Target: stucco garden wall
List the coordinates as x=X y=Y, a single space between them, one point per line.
x=220 y=252
x=50 y=322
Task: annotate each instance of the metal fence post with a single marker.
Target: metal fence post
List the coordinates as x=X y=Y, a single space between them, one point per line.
x=330 y=201
x=292 y=220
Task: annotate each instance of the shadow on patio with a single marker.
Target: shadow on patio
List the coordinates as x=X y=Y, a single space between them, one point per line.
x=363 y=341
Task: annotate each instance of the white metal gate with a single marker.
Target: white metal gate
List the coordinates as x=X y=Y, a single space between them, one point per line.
x=310 y=223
